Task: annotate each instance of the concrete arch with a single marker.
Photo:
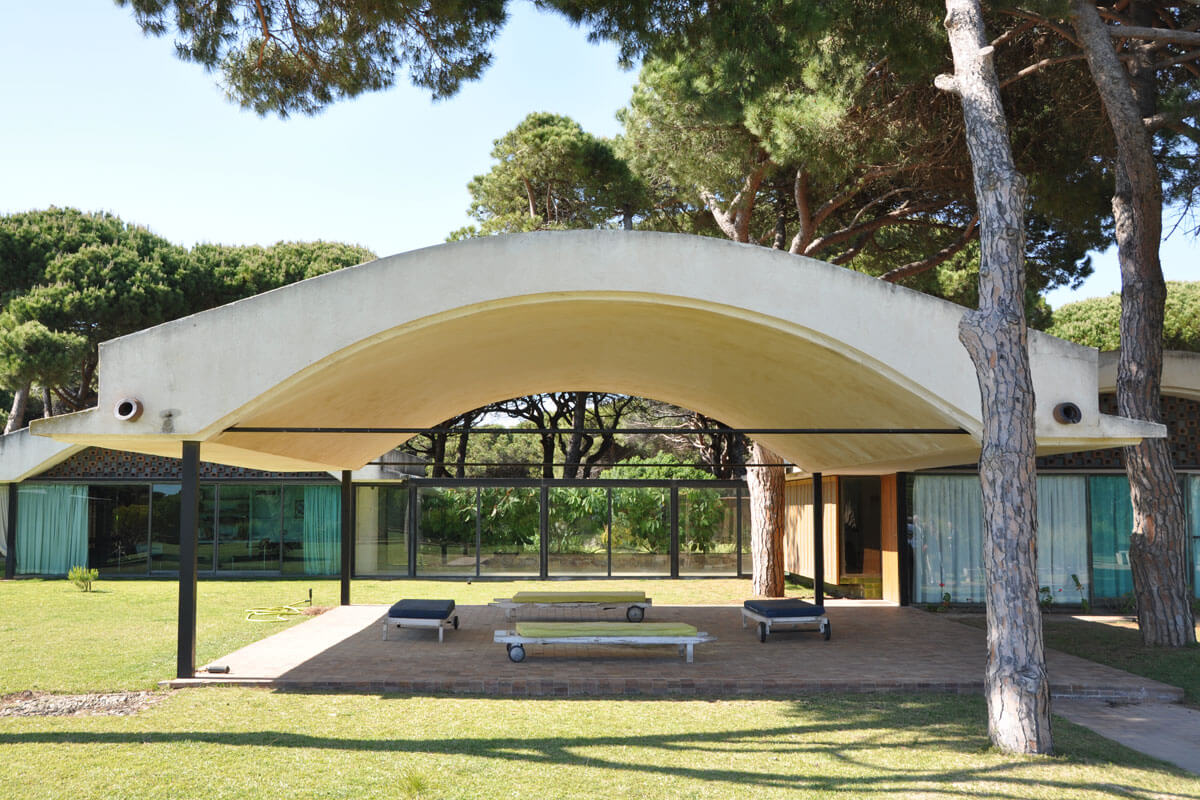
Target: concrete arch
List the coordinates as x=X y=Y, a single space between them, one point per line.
x=751 y=336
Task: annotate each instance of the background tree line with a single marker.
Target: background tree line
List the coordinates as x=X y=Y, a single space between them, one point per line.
x=71 y=279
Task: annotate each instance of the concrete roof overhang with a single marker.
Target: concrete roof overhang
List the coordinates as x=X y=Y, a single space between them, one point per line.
x=750 y=336
x=1180 y=373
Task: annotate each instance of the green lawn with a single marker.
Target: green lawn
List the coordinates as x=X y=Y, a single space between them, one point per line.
x=240 y=743
x=244 y=743
x=123 y=635
x=1117 y=643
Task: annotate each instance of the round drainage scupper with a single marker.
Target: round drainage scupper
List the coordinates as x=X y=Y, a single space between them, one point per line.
x=128 y=409
x=1067 y=414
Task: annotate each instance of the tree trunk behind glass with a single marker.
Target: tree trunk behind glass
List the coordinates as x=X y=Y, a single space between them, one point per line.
x=766 y=521
x=1018 y=692
x=1158 y=543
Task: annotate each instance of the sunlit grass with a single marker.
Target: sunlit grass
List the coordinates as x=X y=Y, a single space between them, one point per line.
x=123 y=635
x=238 y=743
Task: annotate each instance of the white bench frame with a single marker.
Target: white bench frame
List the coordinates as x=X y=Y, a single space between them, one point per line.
x=516 y=642
x=510 y=606
x=417 y=622
x=765 y=623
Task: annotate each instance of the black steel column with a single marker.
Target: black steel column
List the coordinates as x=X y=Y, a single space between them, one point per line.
x=904 y=549
x=414 y=500
x=10 y=563
x=544 y=533
x=189 y=523
x=818 y=541
x=674 y=531
x=347 y=533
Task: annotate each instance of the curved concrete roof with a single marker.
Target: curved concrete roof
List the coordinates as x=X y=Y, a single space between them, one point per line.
x=1180 y=373
x=750 y=336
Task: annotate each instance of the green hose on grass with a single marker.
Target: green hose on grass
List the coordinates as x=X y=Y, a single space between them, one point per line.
x=278 y=613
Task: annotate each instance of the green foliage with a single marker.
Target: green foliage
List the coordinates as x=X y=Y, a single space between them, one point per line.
x=1045 y=597
x=286 y=56
x=551 y=174
x=232 y=272
x=83 y=577
x=1096 y=322
x=73 y=279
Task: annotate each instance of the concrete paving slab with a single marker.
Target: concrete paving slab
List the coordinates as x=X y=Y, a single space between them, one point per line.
x=1166 y=731
x=874 y=647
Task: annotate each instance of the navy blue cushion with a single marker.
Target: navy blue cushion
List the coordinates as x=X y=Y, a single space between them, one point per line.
x=784 y=608
x=422 y=609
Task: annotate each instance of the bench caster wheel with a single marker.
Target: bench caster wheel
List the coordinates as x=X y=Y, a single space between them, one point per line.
x=827 y=629
x=516 y=653
x=456 y=622
x=635 y=613
x=762 y=631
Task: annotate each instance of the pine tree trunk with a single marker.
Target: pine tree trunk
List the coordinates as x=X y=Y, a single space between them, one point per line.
x=766 y=521
x=16 y=416
x=1018 y=691
x=1158 y=544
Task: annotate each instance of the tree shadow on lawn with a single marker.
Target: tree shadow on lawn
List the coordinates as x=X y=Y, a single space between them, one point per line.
x=856 y=738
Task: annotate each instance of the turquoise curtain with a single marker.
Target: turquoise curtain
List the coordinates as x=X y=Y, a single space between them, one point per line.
x=1112 y=523
x=3 y=520
x=322 y=530
x=1062 y=536
x=52 y=528
x=1194 y=524
x=947 y=538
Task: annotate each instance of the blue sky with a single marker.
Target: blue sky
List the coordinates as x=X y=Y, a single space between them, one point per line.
x=98 y=116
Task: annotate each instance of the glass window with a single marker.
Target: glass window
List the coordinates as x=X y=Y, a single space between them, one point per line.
x=707 y=531
x=947 y=539
x=119 y=529
x=446 y=530
x=381 y=536
x=1112 y=523
x=293 y=529
x=578 y=531
x=249 y=528
x=1062 y=538
x=641 y=531
x=747 y=556
x=164 y=529
x=509 y=519
x=1194 y=526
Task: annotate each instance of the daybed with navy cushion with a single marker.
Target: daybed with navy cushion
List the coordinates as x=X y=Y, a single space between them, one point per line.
x=421 y=614
x=785 y=612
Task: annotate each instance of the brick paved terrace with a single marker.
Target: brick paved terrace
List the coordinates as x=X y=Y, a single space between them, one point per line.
x=874 y=647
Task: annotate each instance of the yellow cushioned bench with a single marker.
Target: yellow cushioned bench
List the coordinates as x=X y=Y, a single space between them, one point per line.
x=635 y=603
x=609 y=633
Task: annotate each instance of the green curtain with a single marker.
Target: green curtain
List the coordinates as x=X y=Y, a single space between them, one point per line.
x=4 y=520
x=322 y=530
x=52 y=528
x=1194 y=522
x=1112 y=523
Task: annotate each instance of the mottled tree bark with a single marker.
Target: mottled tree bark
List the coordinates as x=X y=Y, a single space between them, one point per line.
x=1158 y=544
x=16 y=415
x=766 y=521
x=995 y=335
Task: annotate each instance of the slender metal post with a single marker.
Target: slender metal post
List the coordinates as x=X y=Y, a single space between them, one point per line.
x=347 y=533
x=413 y=521
x=738 y=495
x=189 y=522
x=904 y=550
x=674 y=532
x=544 y=533
x=609 y=537
x=10 y=563
x=818 y=541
